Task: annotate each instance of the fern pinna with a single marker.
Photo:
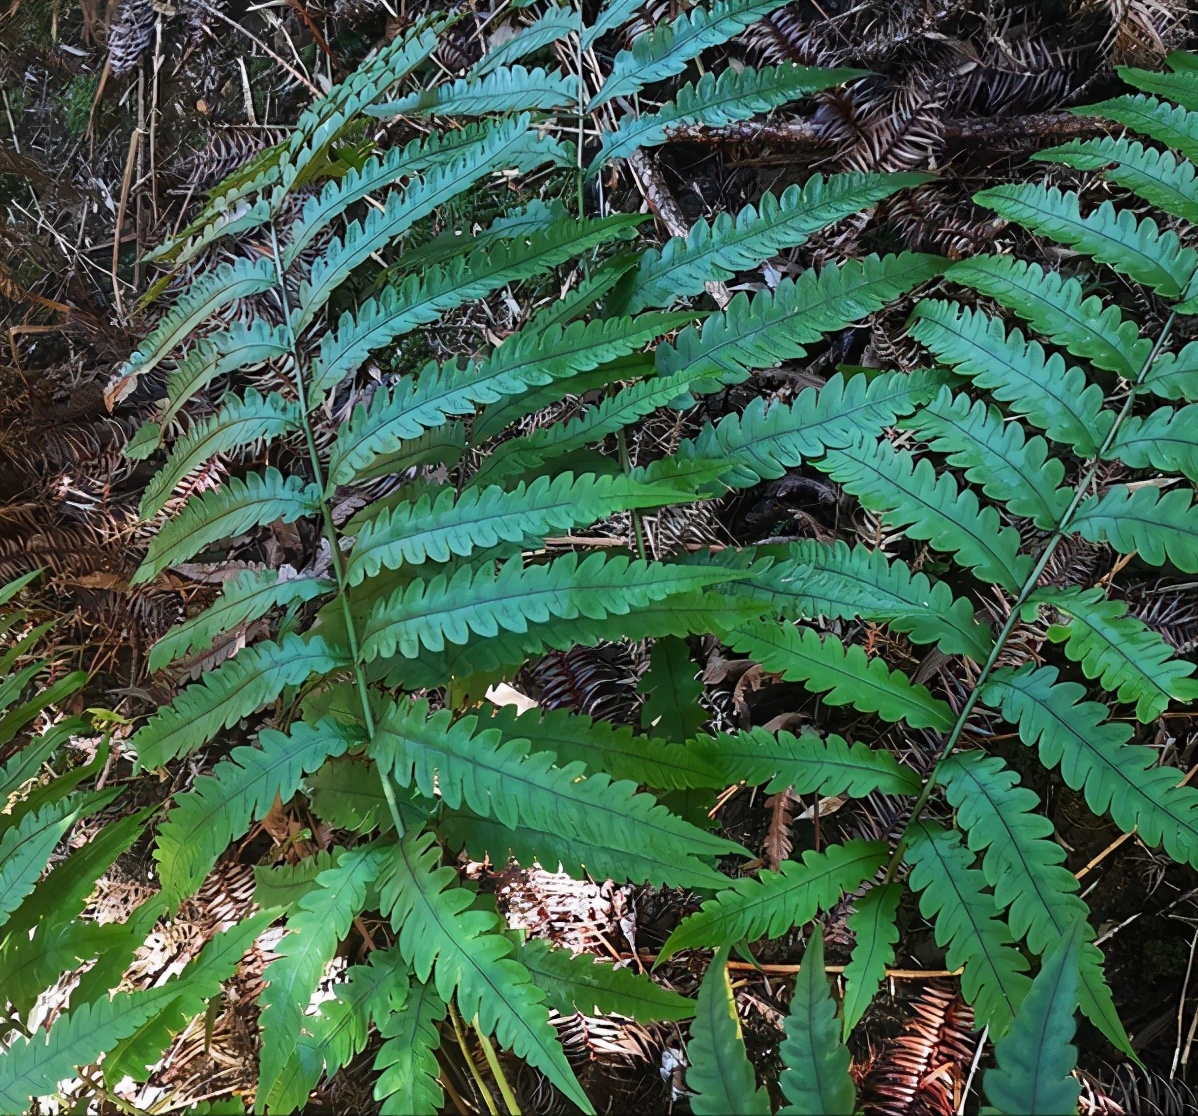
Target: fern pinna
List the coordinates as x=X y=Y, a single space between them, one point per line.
x=434 y=580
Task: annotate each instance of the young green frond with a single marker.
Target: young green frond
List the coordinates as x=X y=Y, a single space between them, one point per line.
x=510 y=89
x=1149 y=116
x=409 y=1073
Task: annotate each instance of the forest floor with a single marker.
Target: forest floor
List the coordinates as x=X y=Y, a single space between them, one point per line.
x=115 y=118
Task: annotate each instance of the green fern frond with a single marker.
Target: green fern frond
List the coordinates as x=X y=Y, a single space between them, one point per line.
x=204 y=298
x=625 y=833
x=604 y=747
x=484 y=602
x=1054 y=398
x=1033 y=1075
x=220 y=807
x=532 y=451
x=511 y=89
x=1173 y=375
x=931 y=507
x=238 y=425
x=995 y=454
x=1170 y=124
x=313 y=934
x=967 y=924
x=554 y=23
x=442 y=933
x=220 y=513
x=816 y=1078
x=775 y=902
x=1181 y=87
x=1129 y=658
x=876 y=931
x=667 y=48
x=337 y=1033
x=551 y=358
x=720 y=1077
x=841 y=675
x=479 y=518
x=1094 y=755
x=240 y=345
x=509 y=144
x=714 y=101
x=34 y=1066
x=1147 y=521
x=247 y=597
x=233 y=690
x=731 y=244
x=1060 y=310
x=409 y=1073
x=1166 y=440
x=1131 y=247
x=807 y=763
x=582 y=983
x=761 y=444
x=1025 y=867
x=420 y=299
x=611 y=15
x=812 y=579
x=25 y=850
x=1156 y=176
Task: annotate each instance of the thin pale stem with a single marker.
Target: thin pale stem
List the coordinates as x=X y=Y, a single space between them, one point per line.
x=331 y=537
x=1029 y=587
x=505 y=1088
x=479 y=1083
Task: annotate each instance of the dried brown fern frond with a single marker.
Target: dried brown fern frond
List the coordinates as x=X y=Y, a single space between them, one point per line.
x=130 y=35
x=1171 y=609
x=880 y=124
x=922 y=1071
x=1128 y=1090
x=598 y=681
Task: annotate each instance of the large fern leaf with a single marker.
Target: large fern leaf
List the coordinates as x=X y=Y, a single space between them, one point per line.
x=1147 y=521
x=313 y=933
x=1094 y=755
x=930 y=506
x=441 y=932
x=720 y=1077
x=807 y=763
x=778 y=325
x=1129 y=658
x=1054 y=398
x=816 y=1078
x=1059 y=309
x=233 y=690
x=714 y=101
x=775 y=902
x=967 y=923
x=626 y=833
x=842 y=675
x=409 y=1078
x=1150 y=116
x=220 y=513
x=1025 y=867
x=582 y=983
x=512 y=88
x=1135 y=248
x=995 y=454
x=221 y=806
x=1035 y=1059
x=429 y=615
